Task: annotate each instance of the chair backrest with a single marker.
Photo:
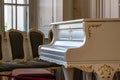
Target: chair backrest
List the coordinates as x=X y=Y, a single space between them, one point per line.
x=1 y=47
x=50 y=35
x=36 y=38
x=16 y=41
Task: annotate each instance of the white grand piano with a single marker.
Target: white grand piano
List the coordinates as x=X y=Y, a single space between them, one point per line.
x=92 y=45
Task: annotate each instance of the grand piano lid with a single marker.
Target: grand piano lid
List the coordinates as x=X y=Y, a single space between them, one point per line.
x=88 y=20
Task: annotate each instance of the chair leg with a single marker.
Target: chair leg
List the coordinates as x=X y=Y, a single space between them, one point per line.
x=4 y=77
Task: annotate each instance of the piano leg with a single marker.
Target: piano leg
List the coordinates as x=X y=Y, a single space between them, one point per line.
x=68 y=73
x=101 y=74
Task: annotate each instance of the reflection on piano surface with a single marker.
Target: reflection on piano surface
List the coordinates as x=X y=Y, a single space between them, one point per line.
x=92 y=45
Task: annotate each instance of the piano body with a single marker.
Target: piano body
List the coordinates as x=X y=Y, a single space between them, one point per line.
x=92 y=45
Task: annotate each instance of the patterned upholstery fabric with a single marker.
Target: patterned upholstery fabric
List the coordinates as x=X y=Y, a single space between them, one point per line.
x=36 y=39
x=16 y=41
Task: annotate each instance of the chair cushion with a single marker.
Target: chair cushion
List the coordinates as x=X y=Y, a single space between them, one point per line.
x=41 y=64
x=33 y=73
x=8 y=66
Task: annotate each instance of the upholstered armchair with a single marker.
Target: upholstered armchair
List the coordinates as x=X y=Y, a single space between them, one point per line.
x=16 y=41
x=6 y=66
x=35 y=39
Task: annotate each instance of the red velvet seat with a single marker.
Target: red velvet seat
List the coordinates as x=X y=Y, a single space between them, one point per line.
x=32 y=74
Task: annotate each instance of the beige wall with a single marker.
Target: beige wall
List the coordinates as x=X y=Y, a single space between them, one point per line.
x=45 y=15
x=63 y=10
x=67 y=9
x=53 y=11
x=96 y=9
x=33 y=14
x=81 y=9
x=58 y=10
